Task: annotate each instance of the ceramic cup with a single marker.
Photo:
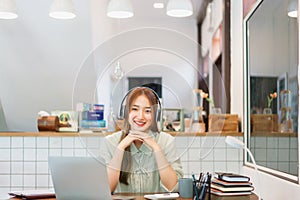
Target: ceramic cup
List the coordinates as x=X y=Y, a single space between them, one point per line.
x=185 y=186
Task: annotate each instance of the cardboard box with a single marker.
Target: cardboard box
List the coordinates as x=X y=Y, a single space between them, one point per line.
x=223 y=122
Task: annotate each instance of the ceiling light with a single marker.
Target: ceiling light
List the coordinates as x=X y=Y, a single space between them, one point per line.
x=292 y=9
x=8 y=9
x=179 y=8
x=120 y=9
x=62 y=9
x=158 y=5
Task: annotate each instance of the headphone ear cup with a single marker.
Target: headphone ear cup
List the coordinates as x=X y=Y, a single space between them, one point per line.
x=122 y=112
x=158 y=114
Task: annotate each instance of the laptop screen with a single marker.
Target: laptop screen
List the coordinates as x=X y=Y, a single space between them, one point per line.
x=79 y=178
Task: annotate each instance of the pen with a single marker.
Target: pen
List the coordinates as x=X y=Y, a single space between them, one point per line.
x=195 y=186
x=203 y=191
x=200 y=176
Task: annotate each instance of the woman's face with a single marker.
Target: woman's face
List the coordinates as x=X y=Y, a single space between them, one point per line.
x=140 y=114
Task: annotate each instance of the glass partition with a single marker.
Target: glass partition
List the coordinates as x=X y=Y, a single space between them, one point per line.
x=271 y=87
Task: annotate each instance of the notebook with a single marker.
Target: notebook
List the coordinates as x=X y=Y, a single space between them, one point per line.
x=79 y=178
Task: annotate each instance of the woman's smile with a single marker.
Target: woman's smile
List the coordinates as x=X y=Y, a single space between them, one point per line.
x=139 y=123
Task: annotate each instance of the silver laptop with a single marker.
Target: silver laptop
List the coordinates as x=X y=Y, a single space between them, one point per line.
x=79 y=178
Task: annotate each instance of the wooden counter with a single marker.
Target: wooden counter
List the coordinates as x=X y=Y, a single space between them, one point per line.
x=273 y=134
x=64 y=134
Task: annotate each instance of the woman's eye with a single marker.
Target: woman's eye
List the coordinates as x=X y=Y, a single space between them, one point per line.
x=148 y=110
x=135 y=109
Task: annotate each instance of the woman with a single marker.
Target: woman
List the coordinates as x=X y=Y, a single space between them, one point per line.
x=139 y=158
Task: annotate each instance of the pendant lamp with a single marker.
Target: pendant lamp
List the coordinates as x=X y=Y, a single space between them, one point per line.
x=179 y=8
x=120 y=9
x=292 y=9
x=62 y=9
x=8 y=9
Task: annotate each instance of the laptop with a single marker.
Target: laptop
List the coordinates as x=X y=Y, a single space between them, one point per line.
x=79 y=178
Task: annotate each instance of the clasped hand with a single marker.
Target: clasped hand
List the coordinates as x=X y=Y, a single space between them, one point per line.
x=141 y=137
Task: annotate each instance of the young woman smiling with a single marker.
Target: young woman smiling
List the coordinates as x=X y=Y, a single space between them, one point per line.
x=140 y=158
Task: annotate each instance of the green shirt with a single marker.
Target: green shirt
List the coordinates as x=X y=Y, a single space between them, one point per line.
x=144 y=176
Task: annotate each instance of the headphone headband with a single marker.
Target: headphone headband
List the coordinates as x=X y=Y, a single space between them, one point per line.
x=123 y=106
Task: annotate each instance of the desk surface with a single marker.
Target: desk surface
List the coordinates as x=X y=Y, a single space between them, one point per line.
x=141 y=197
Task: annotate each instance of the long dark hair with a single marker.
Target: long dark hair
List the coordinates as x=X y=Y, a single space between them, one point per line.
x=155 y=105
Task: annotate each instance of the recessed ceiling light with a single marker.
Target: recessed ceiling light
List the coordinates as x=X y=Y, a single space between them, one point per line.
x=158 y=5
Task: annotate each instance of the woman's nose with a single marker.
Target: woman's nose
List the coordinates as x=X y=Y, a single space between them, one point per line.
x=141 y=114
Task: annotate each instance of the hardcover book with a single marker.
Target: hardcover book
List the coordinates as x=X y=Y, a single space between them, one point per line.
x=232 y=188
x=231 y=177
x=230 y=184
x=218 y=195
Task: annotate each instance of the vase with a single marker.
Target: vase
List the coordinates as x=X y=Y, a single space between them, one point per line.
x=216 y=111
x=267 y=111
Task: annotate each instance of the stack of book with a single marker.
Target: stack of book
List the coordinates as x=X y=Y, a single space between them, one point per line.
x=91 y=116
x=230 y=184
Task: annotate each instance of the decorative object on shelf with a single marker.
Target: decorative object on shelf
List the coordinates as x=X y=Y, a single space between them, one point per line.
x=8 y=9
x=286 y=121
x=216 y=111
x=271 y=96
x=209 y=100
x=172 y=120
x=120 y=9
x=91 y=116
x=62 y=9
x=48 y=123
x=267 y=111
x=68 y=120
x=223 y=123
x=197 y=122
x=118 y=72
x=111 y=124
x=264 y=122
x=198 y=97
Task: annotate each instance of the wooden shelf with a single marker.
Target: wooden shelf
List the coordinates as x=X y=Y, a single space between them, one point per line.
x=72 y=134
x=273 y=134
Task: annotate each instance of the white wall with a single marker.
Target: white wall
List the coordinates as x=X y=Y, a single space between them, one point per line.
x=49 y=64
x=39 y=60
